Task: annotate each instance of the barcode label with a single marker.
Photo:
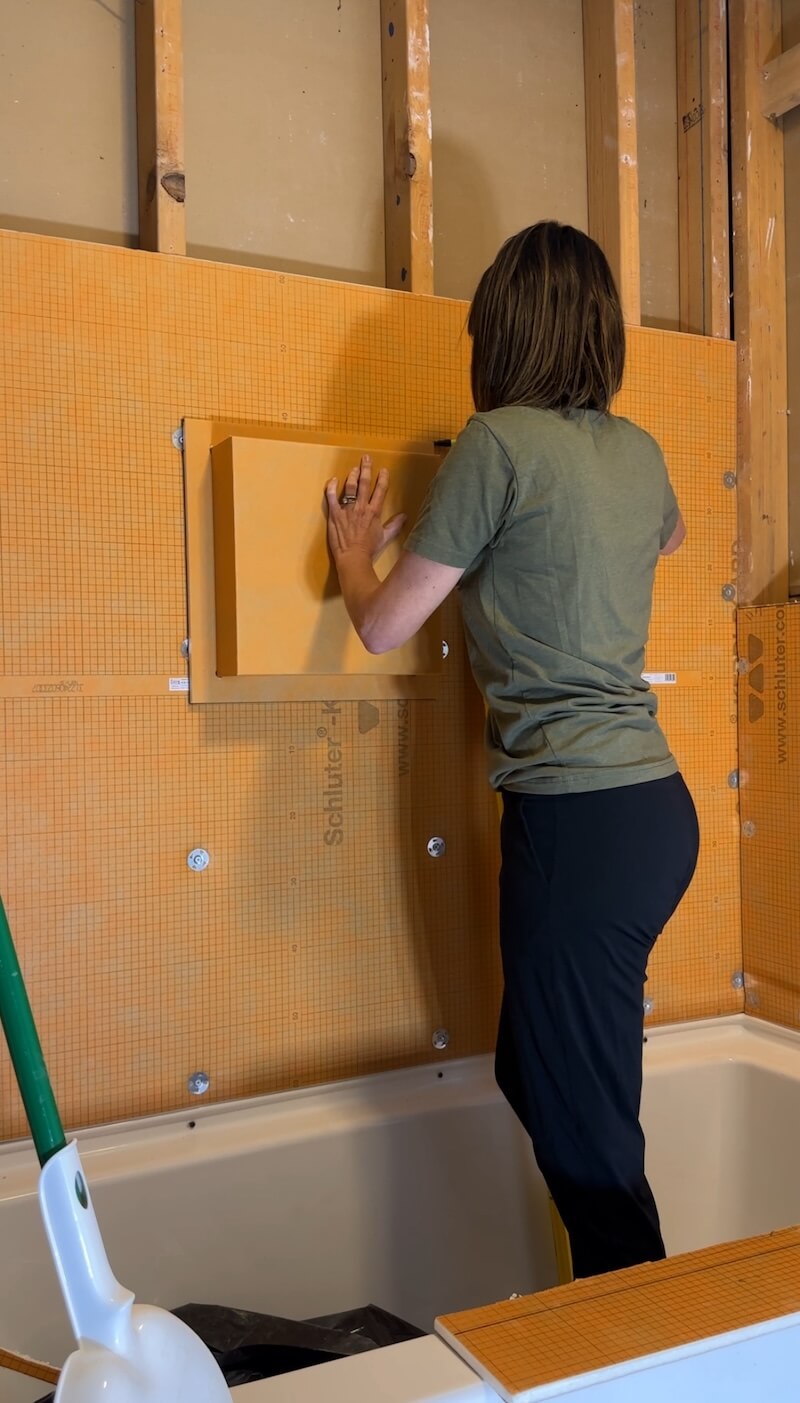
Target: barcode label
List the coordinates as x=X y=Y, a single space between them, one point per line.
x=179 y=684
x=660 y=679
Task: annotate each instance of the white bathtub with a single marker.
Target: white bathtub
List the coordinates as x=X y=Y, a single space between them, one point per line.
x=415 y=1190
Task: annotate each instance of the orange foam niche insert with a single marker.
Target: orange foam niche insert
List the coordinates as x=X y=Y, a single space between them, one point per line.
x=267 y=618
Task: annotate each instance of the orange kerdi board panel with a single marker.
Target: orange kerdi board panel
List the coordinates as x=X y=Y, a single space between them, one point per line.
x=769 y=738
x=322 y=940
x=519 y=1346
x=266 y=617
x=279 y=608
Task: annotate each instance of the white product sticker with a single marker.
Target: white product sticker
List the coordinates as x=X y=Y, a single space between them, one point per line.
x=660 y=679
x=179 y=684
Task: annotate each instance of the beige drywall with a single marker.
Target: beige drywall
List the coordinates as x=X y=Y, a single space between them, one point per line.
x=791 y=130
x=509 y=141
x=68 y=126
x=284 y=135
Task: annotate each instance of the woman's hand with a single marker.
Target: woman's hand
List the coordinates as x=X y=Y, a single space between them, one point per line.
x=385 y=614
x=354 y=521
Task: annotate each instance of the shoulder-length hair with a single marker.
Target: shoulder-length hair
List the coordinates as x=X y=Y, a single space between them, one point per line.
x=546 y=324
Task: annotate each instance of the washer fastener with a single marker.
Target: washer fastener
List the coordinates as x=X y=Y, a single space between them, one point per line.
x=198 y=860
x=737 y=980
x=729 y=479
x=440 y=1039
x=178 y=439
x=186 y=647
x=648 y=1007
x=198 y=1083
x=733 y=779
x=445 y=648
x=748 y=829
x=437 y=847
x=729 y=593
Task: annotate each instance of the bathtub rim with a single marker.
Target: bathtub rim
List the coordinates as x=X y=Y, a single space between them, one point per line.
x=226 y=1128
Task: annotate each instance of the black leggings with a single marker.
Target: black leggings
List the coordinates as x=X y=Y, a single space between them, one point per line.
x=588 y=882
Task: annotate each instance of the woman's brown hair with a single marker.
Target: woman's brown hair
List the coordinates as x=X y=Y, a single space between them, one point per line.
x=546 y=324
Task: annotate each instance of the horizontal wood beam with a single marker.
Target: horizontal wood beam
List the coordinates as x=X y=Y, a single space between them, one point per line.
x=159 y=125
x=609 y=62
x=759 y=240
x=780 y=84
x=407 y=150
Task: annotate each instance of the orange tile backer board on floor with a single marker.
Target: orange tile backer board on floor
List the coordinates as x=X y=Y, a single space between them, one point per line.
x=297 y=956
x=769 y=739
x=521 y=1346
x=317 y=626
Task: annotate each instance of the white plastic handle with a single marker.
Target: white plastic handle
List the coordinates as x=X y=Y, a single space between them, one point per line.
x=99 y=1308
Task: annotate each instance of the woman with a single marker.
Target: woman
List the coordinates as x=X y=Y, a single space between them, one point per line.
x=550 y=514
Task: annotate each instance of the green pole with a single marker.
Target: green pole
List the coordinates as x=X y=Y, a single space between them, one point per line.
x=26 y=1051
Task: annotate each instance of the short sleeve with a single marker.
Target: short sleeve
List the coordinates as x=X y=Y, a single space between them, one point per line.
x=469 y=502
x=671 y=514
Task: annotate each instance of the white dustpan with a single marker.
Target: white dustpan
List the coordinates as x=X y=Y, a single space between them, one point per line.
x=126 y=1353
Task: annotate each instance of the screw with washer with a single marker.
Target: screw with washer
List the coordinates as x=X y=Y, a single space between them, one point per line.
x=198 y=1083
x=440 y=1039
x=178 y=440
x=437 y=847
x=198 y=860
x=728 y=593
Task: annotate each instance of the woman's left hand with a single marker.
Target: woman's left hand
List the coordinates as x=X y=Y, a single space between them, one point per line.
x=354 y=523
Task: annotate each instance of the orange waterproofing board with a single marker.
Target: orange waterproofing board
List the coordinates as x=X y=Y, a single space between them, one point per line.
x=266 y=616
x=769 y=739
x=522 y=1345
x=322 y=941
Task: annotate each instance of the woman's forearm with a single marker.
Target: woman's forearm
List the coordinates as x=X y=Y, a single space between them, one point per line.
x=360 y=587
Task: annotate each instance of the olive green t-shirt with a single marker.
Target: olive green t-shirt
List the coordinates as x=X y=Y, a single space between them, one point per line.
x=557 y=521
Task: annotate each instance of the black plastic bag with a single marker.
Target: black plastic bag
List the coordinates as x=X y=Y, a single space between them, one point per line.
x=249 y=1347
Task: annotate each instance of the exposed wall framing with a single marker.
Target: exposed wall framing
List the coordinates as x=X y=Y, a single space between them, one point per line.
x=703 y=184
x=790 y=124
x=780 y=85
x=160 y=126
x=407 y=157
x=765 y=87
x=611 y=146
x=760 y=308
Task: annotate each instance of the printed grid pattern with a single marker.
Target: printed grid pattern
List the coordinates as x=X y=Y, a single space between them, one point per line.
x=521 y=1345
x=681 y=389
x=288 y=961
x=769 y=738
